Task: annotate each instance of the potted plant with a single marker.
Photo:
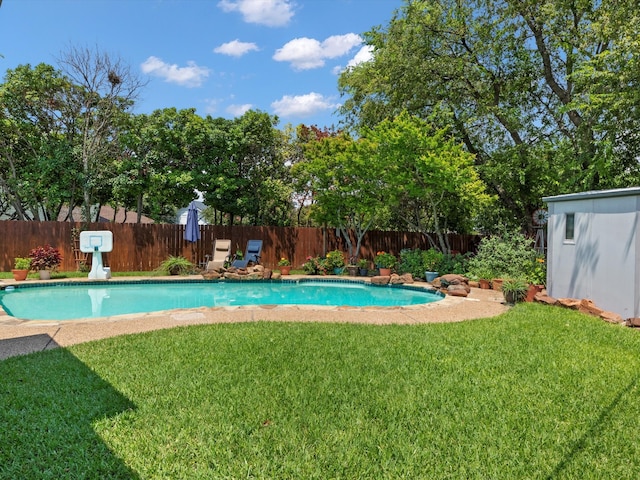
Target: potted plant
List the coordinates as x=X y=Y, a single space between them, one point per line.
x=363 y=267
x=385 y=262
x=44 y=259
x=22 y=266
x=285 y=266
x=352 y=267
x=484 y=275
x=176 y=266
x=431 y=260
x=335 y=261
x=315 y=266
x=514 y=289
x=537 y=277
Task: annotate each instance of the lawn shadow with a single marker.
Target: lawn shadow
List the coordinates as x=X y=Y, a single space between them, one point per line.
x=48 y=404
x=595 y=428
x=10 y=347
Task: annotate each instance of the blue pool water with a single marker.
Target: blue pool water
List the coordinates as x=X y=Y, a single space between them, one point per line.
x=66 y=301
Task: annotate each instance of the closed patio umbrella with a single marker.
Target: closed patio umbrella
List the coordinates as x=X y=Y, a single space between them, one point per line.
x=192 y=229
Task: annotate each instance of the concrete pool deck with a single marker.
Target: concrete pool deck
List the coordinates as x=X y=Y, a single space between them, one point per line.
x=18 y=337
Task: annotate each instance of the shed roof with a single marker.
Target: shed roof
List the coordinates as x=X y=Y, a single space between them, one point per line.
x=616 y=192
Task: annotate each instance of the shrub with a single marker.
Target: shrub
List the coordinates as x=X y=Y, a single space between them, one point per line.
x=537 y=273
x=21 y=263
x=335 y=259
x=314 y=266
x=363 y=263
x=515 y=289
x=508 y=255
x=176 y=266
x=385 y=260
x=431 y=260
x=45 y=258
x=454 y=263
x=417 y=262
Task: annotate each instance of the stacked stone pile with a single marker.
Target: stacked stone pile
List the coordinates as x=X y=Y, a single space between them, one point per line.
x=256 y=272
x=393 y=279
x=452 y=284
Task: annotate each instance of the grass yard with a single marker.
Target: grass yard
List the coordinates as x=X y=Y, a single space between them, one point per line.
x=538 y=393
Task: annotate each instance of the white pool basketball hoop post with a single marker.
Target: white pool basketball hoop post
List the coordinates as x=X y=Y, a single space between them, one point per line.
x=97 y=242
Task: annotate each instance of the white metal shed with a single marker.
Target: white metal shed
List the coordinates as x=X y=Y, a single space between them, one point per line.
x=594 y=248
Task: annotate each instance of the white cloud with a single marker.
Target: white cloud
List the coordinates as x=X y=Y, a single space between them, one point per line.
x=272 y=13
x=235 y=48
x=238 y=110
x=338 y=45
x=307 y=53
x=365 y=54
x=190 y=76
x=302 y=105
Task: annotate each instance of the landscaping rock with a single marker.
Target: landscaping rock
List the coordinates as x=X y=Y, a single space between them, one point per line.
x=211 y=275
x=458 y=290
x=453 y=279
x=396 y=279
x=571 y=303
x=587 y=306
x=380 y=280
x=633 y=322
x=544 y=298
x=611 y=317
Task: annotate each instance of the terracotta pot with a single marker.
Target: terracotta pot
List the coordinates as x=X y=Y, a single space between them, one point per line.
x=496 y=284
x=285 y=269
x=484 y=284
x=531 y=292
x=384 y=272
x=19 y=275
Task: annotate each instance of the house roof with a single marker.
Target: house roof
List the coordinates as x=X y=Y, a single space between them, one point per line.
x=107 y=214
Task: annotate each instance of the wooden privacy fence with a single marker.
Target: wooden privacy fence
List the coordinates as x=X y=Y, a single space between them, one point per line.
x=142 y=247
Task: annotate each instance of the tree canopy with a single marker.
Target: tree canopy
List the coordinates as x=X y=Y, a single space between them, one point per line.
x=536 y=90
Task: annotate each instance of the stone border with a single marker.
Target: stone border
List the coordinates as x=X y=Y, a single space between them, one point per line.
x=585 y=306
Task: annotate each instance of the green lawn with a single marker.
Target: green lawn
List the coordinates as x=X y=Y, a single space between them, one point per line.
x=75 y=274
x=538 y=393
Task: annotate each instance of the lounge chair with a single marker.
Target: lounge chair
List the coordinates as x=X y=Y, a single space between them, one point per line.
x=254 y=249
x=221 y=254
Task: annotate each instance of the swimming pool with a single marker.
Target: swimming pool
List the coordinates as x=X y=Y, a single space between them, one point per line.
x=70 y=301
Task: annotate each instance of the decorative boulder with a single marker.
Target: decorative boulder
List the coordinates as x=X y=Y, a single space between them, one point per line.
x=457 y=290
x=211 y=275
x=380 y=280
x=396 y=279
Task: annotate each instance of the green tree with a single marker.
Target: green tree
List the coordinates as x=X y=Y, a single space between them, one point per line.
x=242 y=171
x=345 y=179
x=427 y=176
x=155 y=172
x=510 y=77
x=37 y=172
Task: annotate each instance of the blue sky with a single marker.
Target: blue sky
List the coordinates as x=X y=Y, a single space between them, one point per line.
x=221 y=57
